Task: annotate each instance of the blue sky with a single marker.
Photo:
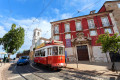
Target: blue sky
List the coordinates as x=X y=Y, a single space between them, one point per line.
x=31 y=14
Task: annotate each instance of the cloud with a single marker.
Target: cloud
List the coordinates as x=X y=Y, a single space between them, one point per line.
x=2 y=31
x=66 y=15
x=29 y=25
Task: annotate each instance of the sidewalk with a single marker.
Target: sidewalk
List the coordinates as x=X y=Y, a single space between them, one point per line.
x=98 y=67
x=2 y=67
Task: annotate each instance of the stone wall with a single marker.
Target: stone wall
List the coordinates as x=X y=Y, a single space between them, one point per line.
x=116 y=12
x=99 y=56
x=70 y=54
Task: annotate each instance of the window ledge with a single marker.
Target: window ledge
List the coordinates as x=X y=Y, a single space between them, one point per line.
x=68 y=32
x=79 y=30
x=56 y=33
x=108 y=26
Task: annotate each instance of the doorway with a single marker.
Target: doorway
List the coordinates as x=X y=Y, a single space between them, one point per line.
x=82 y=52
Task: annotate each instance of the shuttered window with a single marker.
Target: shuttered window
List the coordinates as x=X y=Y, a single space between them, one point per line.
x=56 y=37
x=91 y=24
x=67 y=28
x=93 y=33
x=56 y=29
x=105 y=21
x=67 y=36
x=109 y=30
x=78 y=26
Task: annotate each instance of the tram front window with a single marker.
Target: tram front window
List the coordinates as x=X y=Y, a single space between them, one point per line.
x=60 y=50
x=55 y=50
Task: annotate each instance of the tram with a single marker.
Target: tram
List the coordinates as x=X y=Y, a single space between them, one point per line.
x=51 y=54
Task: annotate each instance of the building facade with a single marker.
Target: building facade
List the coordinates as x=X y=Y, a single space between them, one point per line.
x=79 y=35
x=113 y=6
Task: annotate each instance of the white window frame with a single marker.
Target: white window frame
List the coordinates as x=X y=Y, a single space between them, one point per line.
x=118 y=5
x=107 y=21
x=89 y=24
x=56 y=29
x=106 y=31
x=68 y=30
x=66 y=35
x=58 y=37
x=95 y=32
x=78 y=28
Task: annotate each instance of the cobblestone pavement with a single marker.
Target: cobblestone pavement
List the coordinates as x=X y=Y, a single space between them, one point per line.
x=39 y=72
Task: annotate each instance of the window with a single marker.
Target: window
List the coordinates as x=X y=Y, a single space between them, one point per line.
x=67 y=36
x=108 y=30
x=38 y=33
x=78 y=26
x=67 y=28
x=118 y=5
x=56 y=37
x=91 y=24
x=49 y=51
x=42 y=52
x=56 y=29
x=93 y=33
x=37 y=53
x=60 y=50
x=105 y=21
x=55 y=51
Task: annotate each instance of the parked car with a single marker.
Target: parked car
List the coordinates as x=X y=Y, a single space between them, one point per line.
x=23 y=60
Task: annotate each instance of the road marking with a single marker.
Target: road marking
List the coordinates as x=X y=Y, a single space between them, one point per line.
x=19 y=76
x=54 y=78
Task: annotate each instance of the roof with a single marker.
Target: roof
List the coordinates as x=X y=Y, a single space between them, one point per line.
x=82 y=16
x=112 y=1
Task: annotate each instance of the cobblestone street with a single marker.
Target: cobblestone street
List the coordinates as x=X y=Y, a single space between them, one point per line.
x=39 y=72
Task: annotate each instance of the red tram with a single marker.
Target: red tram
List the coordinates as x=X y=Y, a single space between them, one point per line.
x=51 y=54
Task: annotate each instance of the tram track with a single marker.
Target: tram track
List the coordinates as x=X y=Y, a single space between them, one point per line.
x=77 y=75
x=41 y=78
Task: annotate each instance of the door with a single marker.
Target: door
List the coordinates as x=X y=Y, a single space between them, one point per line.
x=82 y=52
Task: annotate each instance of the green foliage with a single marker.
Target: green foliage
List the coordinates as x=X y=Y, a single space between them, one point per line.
x=109 y=43
x=13 y=40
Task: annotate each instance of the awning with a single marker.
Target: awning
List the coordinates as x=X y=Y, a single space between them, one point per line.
x=3 y=53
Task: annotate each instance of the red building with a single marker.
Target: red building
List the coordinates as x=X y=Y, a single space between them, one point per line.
x=79 y=35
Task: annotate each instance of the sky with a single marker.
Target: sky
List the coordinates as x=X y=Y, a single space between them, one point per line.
x=31 y=14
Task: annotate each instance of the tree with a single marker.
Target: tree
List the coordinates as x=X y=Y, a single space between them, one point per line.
x=109 y=44
x=13 y=40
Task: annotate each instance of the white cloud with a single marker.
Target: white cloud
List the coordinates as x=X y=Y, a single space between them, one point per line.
x=66 y=15
x=29 y=26
x=2 y=31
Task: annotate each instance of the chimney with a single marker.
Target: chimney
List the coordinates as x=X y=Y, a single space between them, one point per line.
x=92 y=12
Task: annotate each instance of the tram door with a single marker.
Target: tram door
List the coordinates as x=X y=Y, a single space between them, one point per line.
x=49 y=53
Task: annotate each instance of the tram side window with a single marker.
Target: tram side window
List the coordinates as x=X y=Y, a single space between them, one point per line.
x=42 y=52
x=49 y=51
x=61 y=51
x=39 y=52
x=36 y=53
x=55 y=50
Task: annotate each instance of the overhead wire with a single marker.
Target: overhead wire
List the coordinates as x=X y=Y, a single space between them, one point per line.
x=40 y=14
x=78 y=11
x=87 y=7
